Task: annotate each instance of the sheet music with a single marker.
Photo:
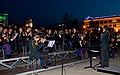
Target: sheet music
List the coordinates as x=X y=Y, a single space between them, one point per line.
x=51 y=43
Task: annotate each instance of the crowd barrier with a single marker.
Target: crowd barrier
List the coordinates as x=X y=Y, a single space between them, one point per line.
x=34 y=72
x=15 y=60
x=3 y=53
x=18 y=60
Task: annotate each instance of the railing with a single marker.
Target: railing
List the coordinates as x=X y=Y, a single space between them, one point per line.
x=50 y=68
x=17 y=60
x=3 y=53
x=25 y=59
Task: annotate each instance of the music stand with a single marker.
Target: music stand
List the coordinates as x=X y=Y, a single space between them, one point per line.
x=63 y=47
x=51 y=43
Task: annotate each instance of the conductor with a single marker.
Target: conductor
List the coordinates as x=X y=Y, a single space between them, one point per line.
x=104 y=55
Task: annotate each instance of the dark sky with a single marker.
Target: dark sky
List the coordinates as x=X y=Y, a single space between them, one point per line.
x=52 y=11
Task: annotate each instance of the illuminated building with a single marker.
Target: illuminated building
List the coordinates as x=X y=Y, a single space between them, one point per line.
x=111 y=21
x=4 y=19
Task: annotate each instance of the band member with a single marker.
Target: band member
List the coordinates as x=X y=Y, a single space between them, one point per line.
x=36 y=44
x=6 y=47
x=27 y=35
x=20 y=40
x=104 y=60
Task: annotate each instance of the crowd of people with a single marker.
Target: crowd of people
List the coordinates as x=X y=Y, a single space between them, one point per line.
x=16 y=40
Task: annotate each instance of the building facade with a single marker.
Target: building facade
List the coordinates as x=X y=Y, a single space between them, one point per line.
x=110 y=21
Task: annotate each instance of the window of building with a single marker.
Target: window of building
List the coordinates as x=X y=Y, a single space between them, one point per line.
x=114 y=25
x=110 y=21
x=119 y=24
x=114 y=21
x=110 y=25
x=96 y=22
x=118 y=21
x=101 y=22
x=85 y=23
x=105 y=21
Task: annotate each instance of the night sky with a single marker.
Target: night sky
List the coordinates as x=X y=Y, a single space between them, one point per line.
x=52 y=11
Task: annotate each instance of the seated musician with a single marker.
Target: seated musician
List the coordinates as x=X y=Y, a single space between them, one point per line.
x=35 y=45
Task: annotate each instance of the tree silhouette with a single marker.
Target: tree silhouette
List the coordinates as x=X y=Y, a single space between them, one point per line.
x=65 y=18
x=70 y=22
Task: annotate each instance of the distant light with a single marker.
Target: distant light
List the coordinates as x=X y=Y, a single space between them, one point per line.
x=97 y=17
x=26 y=25
x=2 y=17
x=88 y=17
x=114 y=21
x=5 y=14
x=84 y=27
x=116 y=30
x=113 y=15
x=99 y=29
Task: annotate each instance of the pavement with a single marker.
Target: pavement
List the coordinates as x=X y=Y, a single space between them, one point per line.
x=76 y=67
